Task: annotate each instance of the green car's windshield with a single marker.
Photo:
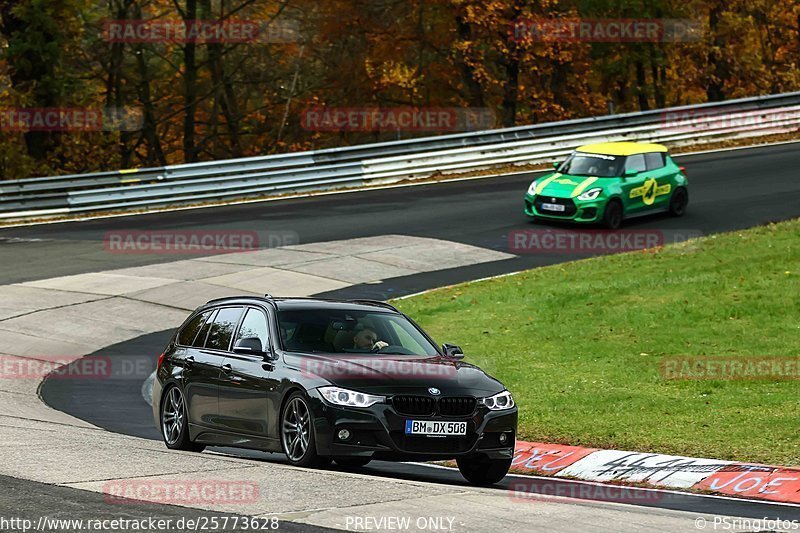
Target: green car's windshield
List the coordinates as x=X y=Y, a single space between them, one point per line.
x=598 y=165
x=347 y=331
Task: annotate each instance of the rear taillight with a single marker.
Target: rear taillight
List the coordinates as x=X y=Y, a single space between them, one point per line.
x=683 y=170
x=161 y=360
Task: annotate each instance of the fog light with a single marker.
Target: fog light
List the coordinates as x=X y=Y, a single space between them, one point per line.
x=503 y=438
x=344 y=434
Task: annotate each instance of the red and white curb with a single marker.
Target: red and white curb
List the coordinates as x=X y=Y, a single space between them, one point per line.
x=775 y=483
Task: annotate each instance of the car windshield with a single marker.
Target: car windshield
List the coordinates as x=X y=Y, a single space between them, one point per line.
x=598 y=165
x=346 y=331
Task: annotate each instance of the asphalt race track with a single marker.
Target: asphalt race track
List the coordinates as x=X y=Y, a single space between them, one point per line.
x=729 y=190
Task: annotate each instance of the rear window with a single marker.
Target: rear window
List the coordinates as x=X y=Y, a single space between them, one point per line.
x=189 y=332
x=655 y=160
x=200 y=340
x=221 y=332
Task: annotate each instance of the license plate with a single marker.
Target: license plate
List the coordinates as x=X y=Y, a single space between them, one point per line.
x=438 y=429
x=553 y=207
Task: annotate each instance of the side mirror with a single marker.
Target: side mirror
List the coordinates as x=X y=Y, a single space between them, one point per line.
x=451 y=350
x=556 y=164
x=630 y=173
x=249 y=346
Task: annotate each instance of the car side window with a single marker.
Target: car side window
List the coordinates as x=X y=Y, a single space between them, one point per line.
x=254 y=325
x=221 y=332
x=200 y=339
x=655 y=160
x=636 y=162
x=189 y=332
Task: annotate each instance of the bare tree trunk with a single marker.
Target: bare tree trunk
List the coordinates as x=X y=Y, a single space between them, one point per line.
x=32 y=72
x=190 y=87
x=715 y=87
x=475 y=94
x=114 y=93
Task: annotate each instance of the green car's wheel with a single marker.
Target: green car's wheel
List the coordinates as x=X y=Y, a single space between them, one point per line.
x=612 y=218
x=678 y=202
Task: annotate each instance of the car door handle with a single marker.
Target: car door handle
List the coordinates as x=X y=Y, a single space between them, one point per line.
x=189 y=361
x=269 y=367
x=227 y=369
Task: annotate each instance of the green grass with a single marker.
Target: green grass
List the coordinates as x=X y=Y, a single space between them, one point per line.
x=580 y=344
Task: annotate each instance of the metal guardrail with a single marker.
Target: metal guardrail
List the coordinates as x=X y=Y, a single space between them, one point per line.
x=389 y=162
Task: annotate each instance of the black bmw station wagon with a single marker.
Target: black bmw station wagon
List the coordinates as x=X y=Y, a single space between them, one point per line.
x=324 y=380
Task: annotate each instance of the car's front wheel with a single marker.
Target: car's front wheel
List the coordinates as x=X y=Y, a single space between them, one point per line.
x=612 y=217
x=297 y=433
x=174 y=423
x=481 y=470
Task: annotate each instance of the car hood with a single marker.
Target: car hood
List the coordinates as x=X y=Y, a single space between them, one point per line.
x=567 y=186
x=387 y=374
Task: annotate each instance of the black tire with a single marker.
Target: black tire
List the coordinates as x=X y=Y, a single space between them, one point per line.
x=482 y=471
x=299 y=442
x=352 y=462
x=175 y=421
x=612 y=217
x=678 y=202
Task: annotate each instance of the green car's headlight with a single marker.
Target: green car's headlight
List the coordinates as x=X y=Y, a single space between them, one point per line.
x=499 y=402
x=591 y=194
x=349 y=398
x=532 y=188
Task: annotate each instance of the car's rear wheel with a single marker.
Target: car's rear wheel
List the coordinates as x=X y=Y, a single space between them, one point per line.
x=678 y=202
x=297 y=433
x=612 y=217
x=174 y=423
x=352 y=462
x=480 y=470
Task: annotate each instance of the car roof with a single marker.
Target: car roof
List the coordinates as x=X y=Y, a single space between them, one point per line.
x=622 y=148
x=298 y=304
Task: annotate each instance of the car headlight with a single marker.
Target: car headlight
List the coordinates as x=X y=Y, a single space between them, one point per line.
x=349 y=398
x=591 y=194
x=532 y=188
x=498 y=402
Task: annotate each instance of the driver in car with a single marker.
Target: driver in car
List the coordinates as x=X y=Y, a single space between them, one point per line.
x=367 y=339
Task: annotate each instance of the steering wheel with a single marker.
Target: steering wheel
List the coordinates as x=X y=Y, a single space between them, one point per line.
x=394 y=350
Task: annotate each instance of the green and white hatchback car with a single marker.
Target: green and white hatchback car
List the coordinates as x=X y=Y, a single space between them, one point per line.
x=609 y=182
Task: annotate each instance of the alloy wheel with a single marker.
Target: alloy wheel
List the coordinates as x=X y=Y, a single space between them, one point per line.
x=172 y=416
x=296 y=429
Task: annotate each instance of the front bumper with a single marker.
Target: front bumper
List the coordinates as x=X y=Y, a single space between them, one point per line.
x=581 y=211
x=379 y=432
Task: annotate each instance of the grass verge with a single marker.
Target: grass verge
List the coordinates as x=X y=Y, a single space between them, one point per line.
x=581 y=345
